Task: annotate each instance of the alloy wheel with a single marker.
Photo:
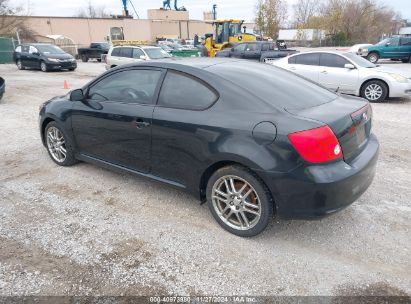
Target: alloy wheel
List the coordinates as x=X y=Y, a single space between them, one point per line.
x=373 y=58
x=236 y=202
x=43 y=66
x=373 y=92
x=56 y=144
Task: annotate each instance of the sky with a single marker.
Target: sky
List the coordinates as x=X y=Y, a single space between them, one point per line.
x=239 y=9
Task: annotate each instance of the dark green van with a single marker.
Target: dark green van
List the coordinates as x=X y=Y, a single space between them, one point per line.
x=390 y=48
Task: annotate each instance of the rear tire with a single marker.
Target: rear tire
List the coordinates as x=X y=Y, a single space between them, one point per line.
x=406 y=60
x=244 y=208
x=98 y=60
x=20 y=65
x=373 y=57
x=374 y=91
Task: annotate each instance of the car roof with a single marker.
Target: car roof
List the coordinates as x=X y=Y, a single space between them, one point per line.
x=137 y=46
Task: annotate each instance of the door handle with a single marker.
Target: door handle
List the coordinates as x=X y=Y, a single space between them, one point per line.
x=324 y=72
x=140 y=124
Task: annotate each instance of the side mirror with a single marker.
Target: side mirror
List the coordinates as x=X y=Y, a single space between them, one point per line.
x=143 y=57
x=77 y=95
x=388 y=44
x=349 y=66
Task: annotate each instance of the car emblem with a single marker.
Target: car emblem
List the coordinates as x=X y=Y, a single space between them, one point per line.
x=365 y=116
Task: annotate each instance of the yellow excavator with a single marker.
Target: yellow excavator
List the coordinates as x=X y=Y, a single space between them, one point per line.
x=227 y=32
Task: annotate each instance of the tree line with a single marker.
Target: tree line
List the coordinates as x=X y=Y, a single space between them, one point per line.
x=351 y=21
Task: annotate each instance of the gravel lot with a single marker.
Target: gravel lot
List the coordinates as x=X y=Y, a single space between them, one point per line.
x=84 y=230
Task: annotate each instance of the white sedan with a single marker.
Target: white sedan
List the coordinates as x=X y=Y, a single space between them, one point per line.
x=349 y=74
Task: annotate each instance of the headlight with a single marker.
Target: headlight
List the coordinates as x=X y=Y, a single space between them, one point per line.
x=53 y=59
x=399 y=78
x=364 y=50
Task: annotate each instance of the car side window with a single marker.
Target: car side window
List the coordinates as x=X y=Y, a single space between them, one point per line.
x=115 y=52
x=137 y=53
x=126 y=52
x=132 y=86
x=240 y=47
x=32 y=50
x=406 y=41
x=197 y=95
x=308 y=59
x=18 y=49
x=252 y=47
x=332 y=60
x=394 y=41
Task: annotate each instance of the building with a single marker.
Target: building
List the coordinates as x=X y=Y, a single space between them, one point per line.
x=160 y=23
x=405 y=31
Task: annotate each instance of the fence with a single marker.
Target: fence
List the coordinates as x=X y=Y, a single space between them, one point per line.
x=7 y=46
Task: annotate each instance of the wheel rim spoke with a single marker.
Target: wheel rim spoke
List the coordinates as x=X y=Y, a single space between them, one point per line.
x=56 y=144
x=236 y=202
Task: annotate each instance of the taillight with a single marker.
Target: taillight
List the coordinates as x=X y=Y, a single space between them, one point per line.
x=316 y=145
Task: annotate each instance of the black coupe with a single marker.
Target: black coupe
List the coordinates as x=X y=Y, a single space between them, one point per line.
x=251 y=139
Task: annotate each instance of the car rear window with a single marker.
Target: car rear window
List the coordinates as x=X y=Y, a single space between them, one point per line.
x=115 y=52
x=308 y=59
x=274 y=85
x=406 y=41
x=182 y=91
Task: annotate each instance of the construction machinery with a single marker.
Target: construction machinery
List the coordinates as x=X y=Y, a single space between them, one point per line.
x=125 y=13
x=227 y=32
x=167 y=5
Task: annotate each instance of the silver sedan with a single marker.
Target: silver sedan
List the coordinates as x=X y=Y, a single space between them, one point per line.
x=348 y=73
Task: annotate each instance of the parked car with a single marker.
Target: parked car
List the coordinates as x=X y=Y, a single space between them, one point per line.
x=349 y=74
x=119 y=55
x=95 y=51
x=45 y=57
x=252 y=140
x=390 y=48
x=358 y=48
x=2 y=87
x=257 y=50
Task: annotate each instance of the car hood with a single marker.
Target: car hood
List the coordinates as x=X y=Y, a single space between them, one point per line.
x=59 y=56
x=386 y=70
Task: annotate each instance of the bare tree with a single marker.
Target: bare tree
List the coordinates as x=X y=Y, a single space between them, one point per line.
x=270 y=16
x=304 y=10
x=92 y=11
x=12 y=19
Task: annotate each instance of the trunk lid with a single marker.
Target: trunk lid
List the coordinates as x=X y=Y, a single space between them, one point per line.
x=348 y=117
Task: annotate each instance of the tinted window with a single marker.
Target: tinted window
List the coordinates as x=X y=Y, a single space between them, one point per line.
x=308 y=59
x=134 y=86
x=253 y=47
x=49 y=49
x=406 y=41
x=240 y=47
x=394 y=41
x=182 y=91
x=115 y=52
x=137 y=53
x=291 y=60
x=332 y=60
x=126 y=52
x=274 y=85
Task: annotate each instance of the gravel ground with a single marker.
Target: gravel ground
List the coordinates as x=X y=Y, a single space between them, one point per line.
x=84 y=230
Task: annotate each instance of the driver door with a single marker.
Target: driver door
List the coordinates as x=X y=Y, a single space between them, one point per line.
x=113 y=123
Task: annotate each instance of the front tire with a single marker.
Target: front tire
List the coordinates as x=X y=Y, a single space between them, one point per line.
x=20 y=65
x=239 y=201
x=44 y=67
x=84 y=58
x=58 y=145
x=374 y=91
x=373 y=57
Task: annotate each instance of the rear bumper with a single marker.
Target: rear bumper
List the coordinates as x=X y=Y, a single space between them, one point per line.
x=314 y=191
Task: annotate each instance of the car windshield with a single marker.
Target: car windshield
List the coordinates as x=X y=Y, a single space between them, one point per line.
x=383 y=42
x=156 y=53
x=359 y=60
x=49 y=49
